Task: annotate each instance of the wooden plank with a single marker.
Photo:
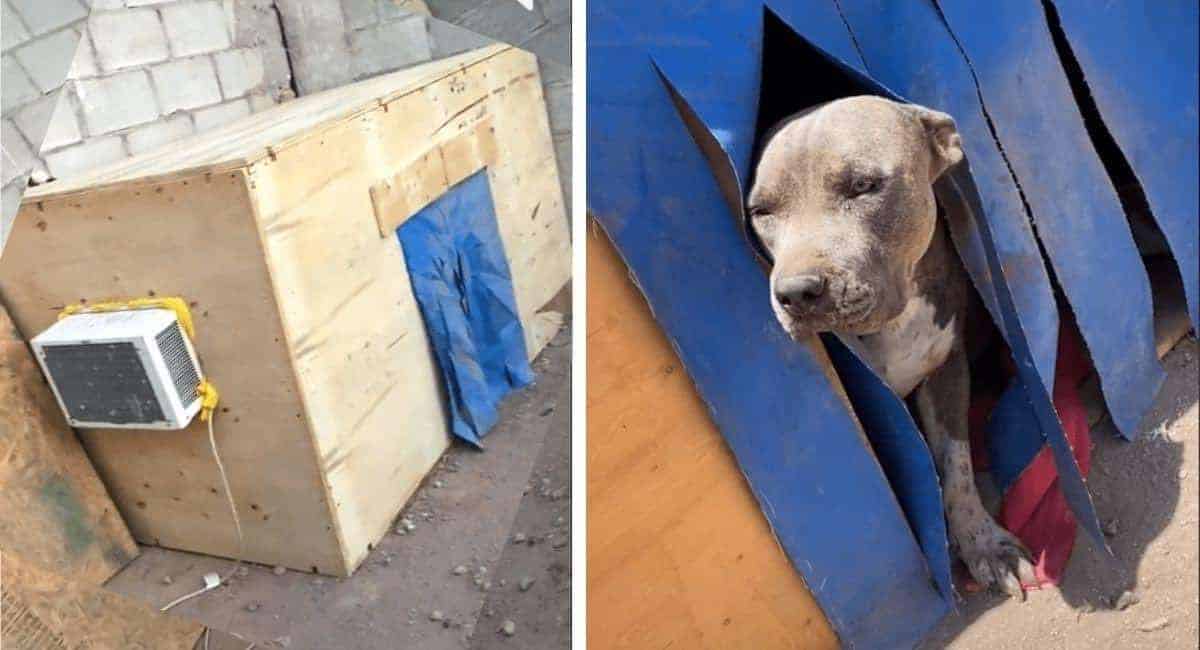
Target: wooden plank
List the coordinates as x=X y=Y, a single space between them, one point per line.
x=45 y=610
x=679 y=554
x=53 y=508
x=194 y=238
x=369 y=381
x=443 y=166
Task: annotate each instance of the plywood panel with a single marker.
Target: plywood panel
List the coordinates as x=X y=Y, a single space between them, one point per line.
x=44 y=610
x=679 y=554
x=194 y=238
x=53 y=508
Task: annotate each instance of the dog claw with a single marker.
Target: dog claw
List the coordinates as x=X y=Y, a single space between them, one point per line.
x=1012 y=586
x=996 y=559
x=1025 y=571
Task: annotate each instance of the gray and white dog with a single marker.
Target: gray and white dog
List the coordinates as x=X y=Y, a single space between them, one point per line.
x=843 y=202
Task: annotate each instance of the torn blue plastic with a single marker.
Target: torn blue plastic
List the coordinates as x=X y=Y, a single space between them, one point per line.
x=647 y=188
x=1077 y=214
x=988 y=221
x=904 y=455
x=653 y=190
x=461 y=280
x=1139 y=61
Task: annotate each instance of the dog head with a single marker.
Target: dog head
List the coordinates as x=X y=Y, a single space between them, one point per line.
x=843 y=202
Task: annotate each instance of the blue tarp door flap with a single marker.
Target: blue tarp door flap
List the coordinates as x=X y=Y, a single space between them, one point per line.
x=462 y=283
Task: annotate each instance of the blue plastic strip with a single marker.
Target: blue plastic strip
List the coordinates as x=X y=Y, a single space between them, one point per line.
x=904 y=455
x=1079 y=218
x=1140 y=60
x=461 y=280
x=654 y=193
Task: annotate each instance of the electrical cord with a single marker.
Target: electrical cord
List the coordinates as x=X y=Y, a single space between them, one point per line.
x=213 y=580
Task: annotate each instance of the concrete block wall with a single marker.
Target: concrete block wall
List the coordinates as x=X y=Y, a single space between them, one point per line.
x=146 y=72
x=39 y=38
x=335 y=42
x=460 y=25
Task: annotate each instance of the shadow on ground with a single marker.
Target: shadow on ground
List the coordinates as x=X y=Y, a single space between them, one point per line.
x=1146 y=494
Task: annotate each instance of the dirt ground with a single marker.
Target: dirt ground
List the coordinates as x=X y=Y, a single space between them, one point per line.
x=426 y=587
x=1146 y=494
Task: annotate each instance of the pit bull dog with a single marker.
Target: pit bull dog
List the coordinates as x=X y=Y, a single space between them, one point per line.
x=842 y=201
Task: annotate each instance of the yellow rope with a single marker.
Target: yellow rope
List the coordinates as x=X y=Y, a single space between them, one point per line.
x=177 y=305
x=209 y=398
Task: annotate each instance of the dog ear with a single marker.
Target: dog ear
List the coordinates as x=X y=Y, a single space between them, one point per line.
x=945 y=145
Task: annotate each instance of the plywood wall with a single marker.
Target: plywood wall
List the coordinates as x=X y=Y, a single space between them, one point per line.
x=193 y=237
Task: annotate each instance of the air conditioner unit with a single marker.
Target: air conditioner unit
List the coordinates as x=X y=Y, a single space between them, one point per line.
x=131 y=369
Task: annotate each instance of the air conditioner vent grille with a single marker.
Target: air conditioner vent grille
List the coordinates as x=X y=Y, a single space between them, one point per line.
x=179 y=363
x=103 y=382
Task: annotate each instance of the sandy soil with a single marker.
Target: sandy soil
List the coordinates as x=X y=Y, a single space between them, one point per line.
x=1146 y=494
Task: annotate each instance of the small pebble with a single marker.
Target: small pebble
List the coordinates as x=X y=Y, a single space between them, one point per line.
x=547 y=411
x=279 y=570
x=167 y=580
x=437 y=615
x=460 y=570
x=1110 y=527
x=1154 y=625
x=519 y=538
x=525 y=583
x=252 y=607
x=437 y=484
x=509 y=628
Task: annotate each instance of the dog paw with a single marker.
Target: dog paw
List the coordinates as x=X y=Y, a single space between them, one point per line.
x=995 y=558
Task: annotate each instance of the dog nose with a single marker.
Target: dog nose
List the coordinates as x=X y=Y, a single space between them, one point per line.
x=794 y=291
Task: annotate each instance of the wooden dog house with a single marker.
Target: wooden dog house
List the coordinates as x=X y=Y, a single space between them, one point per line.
x=279 y=230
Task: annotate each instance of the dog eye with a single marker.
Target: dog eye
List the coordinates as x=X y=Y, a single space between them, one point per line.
x=862 y=186
x=759 y=214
